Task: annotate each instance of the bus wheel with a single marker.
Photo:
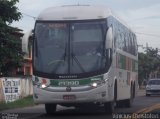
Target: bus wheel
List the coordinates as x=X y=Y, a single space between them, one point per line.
x=50 y=108
x=147 y=94
x=109 y=107
x=128 y=102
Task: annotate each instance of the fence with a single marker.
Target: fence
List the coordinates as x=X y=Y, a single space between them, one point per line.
x=1 y=92
x=13 y=88
x=26 y=87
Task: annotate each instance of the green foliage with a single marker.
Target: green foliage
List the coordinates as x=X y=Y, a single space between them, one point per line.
x=149 y=62
x=10 y=44
x=27 y=101
x=9 y=12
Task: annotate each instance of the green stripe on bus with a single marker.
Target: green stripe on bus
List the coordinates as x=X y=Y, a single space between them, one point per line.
x=134 y=66
x=124 y=63
x=72 y=82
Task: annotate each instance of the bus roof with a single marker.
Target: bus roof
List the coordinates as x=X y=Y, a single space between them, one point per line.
x=77 y=12
x=74 y=12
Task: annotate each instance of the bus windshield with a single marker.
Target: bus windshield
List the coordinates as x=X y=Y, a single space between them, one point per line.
x=69 y=48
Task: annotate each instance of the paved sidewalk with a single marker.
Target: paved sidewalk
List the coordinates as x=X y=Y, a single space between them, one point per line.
x=141 y=92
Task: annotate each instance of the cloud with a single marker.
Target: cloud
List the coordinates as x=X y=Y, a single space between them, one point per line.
x=141 y=15
x=146 y=16
x=144 y=12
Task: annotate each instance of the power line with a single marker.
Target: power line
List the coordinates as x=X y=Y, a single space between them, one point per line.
x=155 y=35
x=29 y=15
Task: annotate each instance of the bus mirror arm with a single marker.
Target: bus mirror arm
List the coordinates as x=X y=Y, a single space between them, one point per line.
x=25 y=41
x=108 y=55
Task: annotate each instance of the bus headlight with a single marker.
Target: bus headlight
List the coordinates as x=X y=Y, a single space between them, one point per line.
x=40 y=83
x=97 y=83
x=43 y=86
x=94 y=84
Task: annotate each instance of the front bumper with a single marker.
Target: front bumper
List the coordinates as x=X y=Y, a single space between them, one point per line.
x=98 y=94
x=153 y=92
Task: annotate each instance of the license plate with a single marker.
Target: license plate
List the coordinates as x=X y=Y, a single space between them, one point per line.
x=69 y=97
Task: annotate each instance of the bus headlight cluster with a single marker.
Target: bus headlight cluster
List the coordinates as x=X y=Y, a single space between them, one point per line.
x=97 y=83
x=43 y=84
x=94 y=84
x=40 y=83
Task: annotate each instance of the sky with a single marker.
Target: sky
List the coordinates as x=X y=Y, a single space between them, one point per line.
x=143 y=16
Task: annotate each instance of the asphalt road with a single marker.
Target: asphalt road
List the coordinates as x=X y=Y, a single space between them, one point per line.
x=142 y=104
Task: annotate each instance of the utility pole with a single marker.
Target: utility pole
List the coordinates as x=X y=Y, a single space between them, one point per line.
x=144 y=48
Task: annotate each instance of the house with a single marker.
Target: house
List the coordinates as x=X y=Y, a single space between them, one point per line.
x=26 y=68
x=27 y=65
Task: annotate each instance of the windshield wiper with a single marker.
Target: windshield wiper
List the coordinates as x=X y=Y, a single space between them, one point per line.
x=77 y=61
x=62 y=58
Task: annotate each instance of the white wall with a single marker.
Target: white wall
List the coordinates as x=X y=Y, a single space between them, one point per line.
x=13 y=88
x=1 y=91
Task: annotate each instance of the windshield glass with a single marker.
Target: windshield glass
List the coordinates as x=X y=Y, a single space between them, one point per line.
x=154 y=82
x=87 y=47
x=69 y=48
x=51 y=47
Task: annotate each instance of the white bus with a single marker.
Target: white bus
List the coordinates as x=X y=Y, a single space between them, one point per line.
x=83 y=55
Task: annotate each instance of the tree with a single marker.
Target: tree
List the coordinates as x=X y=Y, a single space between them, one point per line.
x=10 y=45
x=149 y=63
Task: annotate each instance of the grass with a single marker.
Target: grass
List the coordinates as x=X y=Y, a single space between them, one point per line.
x=27 y=101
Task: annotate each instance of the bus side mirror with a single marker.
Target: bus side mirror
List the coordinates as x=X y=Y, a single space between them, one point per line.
x=25 y=41
x=108 y=45
x=109 y=38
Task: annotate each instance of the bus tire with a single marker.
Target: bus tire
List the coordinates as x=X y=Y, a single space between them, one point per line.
x=110 y=106
x=129 y=102
x=147 y=95
x=134 y=90
x=50 y=108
